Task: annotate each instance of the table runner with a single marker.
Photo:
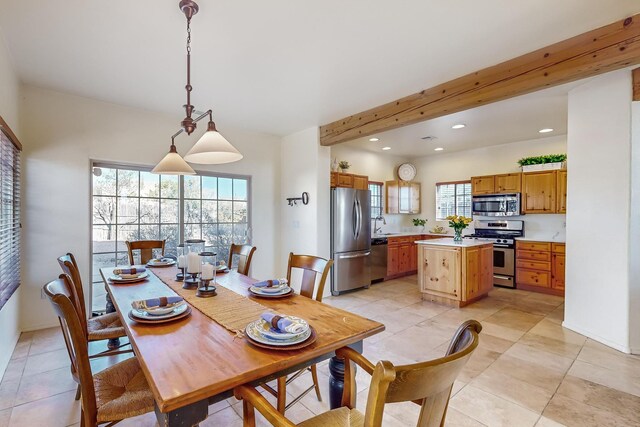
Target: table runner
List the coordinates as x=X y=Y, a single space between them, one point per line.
x=232 y=311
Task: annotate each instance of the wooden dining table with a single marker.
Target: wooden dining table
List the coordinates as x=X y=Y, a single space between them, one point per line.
x=194 y=362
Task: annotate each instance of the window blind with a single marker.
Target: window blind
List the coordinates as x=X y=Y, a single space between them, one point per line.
x=9 y=216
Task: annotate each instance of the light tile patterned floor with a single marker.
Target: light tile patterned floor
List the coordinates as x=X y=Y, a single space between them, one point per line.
x=527 y=371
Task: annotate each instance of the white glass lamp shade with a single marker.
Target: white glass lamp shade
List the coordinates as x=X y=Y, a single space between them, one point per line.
x=173 y=164
x=213 y=149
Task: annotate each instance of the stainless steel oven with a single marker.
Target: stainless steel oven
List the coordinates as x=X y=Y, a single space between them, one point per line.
x=496 y=205
x=504 y=263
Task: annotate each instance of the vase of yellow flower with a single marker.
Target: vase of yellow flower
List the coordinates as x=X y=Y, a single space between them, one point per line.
x=458 y=223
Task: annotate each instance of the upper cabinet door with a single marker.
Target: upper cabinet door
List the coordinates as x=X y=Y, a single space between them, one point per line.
x=402 y=197
x=539 y=192
x=508 y=183
x=414 y=194
x=483 y=185
x=562 y=191
x=392 y=205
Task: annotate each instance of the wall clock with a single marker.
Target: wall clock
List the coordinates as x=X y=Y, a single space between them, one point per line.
x=406 y=171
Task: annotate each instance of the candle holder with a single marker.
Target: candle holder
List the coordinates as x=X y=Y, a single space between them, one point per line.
x=182 y=263
x=193 y=263
x=207 y=275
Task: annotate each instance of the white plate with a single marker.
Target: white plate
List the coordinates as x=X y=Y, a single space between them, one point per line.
x=271 y=291
x=159 y=311
x=118 y=279
x=144 y=315
x=253 y=330
x=166 y=263
x=265 y=329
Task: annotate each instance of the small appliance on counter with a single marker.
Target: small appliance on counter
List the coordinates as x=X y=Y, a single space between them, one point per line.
x=496 y=205
x=350 y=239
x=502 y=234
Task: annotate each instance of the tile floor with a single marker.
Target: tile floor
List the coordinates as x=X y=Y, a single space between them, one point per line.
x=527 y=371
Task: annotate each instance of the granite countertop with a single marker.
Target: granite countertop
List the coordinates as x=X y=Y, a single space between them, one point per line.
x=543 y=238
x=466 y=243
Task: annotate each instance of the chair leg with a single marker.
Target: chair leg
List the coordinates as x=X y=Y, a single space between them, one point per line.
x=82 y=423
x=78 y=392
x=314 y=375
x=248 y=414
x=282 y=394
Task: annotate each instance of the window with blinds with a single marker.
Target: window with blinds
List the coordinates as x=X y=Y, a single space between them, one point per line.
x=453 y=198
x=376 y=198
x=9 y=214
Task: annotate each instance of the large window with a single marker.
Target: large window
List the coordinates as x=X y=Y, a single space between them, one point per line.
x=376 y=198
x=134 y=204
x=453 y=198
x=9 y=213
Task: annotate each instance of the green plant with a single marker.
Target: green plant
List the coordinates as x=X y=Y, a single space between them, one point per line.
x=344 y=164
x=539 y=160
x=419 y=222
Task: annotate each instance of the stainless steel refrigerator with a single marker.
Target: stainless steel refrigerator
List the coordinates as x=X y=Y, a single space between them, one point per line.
x=350 y=239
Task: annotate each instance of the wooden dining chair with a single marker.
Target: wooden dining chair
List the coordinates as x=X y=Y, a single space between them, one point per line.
x=118 y=392
x=146 y=248
x=311 y=267
x=105 y=327
x=427 y=384
x=244 y=254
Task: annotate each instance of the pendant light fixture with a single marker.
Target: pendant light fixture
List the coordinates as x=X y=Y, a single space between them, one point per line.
x=212 y=148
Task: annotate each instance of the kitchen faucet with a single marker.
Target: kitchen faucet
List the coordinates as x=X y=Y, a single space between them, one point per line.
x=377 y=229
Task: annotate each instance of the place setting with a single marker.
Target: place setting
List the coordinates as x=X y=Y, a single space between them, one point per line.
x=161 y=262
x=159 y=310
x=280 y=332
x=128 y=275
x=277 y=288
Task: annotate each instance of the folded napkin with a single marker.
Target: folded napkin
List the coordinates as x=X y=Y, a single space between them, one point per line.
x=271 y=283
x=132 y=270
x=157 y=260
x=282 y=324
x=146 y=304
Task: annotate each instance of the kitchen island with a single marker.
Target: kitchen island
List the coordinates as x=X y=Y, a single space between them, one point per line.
x=454 y=273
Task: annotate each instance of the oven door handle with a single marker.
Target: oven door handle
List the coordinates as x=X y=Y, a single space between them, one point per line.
x=498 y=245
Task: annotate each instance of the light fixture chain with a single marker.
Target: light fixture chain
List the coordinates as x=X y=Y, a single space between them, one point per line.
x=188 y=36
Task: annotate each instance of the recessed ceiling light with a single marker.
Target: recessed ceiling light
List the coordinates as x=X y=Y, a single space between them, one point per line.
x=438 y=149
x=545 y=130
x=458 y=126
x=374 y=139
x=386 y=148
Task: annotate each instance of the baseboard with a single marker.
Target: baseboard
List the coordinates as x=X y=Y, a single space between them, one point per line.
x=36 y=327
x=596 y=337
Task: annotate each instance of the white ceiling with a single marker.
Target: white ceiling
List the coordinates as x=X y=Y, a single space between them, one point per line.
x=516 y=119
x=283 y=65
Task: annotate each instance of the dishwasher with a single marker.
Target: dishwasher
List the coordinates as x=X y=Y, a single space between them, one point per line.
x=378 y=259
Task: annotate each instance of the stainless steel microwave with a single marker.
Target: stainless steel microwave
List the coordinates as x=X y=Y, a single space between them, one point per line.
x=496 y=205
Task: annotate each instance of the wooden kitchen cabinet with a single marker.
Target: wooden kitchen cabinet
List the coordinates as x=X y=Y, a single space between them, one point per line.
x=539 y=192
x=455 y=275
x=348 y=180
x=483 y=185
x=393 y=260
x=508 y=183
x=561 y=191
x=402 y=255
x=557 y=267
x=402 y=197
x=540 y=267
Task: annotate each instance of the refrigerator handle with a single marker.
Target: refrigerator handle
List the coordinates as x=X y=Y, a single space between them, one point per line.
x=354 y=219
x=355 y=255
x=359 y=217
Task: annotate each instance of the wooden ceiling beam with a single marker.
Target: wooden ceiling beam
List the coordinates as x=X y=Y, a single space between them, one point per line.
x=605 y=49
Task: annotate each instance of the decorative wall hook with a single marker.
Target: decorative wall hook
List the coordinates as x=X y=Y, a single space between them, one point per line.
x=293 y=201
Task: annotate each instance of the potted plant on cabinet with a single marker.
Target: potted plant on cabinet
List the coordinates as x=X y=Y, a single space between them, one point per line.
x=344 y=165
x=540 y=163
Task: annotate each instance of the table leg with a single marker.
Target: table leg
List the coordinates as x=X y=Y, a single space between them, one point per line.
x=336 y=377
x=110 y=308
x=187 y=416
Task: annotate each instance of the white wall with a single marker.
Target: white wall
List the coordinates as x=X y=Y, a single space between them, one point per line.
x=597 y=267
x=62 y=133
x=9 y=99
x=634 y=233
x=462 y=165
x=305 y=167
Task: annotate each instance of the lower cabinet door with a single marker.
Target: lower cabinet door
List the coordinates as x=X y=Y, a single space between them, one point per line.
x=440 y=272
x=533 y=278
x=393 y=258
x=557 y=271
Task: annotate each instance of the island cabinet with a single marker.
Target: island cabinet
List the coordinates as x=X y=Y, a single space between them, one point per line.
x=540 y=267
x=348 y=180
x=402 y=255
x=455 y=274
